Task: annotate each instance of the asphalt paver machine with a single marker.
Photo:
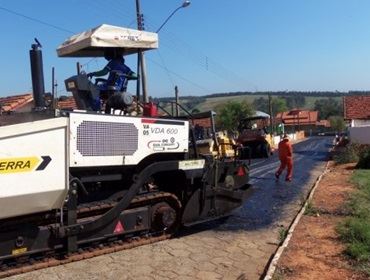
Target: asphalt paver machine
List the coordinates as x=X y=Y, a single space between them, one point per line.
x=72 y=180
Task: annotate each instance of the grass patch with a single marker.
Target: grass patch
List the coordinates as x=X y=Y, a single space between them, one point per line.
x=278 y=275
x=311 y=210
x=283 y=232
x=355 y=230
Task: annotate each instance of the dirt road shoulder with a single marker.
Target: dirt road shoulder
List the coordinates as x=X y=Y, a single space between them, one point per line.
x=315 y=251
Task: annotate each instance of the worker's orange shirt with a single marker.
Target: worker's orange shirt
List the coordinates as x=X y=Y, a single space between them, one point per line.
x=285 y=149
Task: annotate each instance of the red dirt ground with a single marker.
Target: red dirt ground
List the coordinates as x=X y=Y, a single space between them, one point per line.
x=315 y=251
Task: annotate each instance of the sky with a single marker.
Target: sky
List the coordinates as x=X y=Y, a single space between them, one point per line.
x=212 y=46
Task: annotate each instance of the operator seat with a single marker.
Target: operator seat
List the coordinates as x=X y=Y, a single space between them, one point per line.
x=116 y=82
x=90 y=96
x=113 y=91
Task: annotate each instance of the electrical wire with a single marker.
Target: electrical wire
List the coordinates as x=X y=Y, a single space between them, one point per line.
x=104 y=9
x=171 y=42
x=203 y=61
x=208 y=64
x=36 y=20
x=165 y=68
x=200 y=59
x=181 y=77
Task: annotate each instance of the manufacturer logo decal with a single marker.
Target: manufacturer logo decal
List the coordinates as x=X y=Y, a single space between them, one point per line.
x=23 y=164
x=164 y=144
x=191 y=164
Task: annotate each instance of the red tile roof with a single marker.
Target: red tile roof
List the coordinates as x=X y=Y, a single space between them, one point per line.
x=15 y=102
x=68 y=103
x=356 y=107
x=296 y=116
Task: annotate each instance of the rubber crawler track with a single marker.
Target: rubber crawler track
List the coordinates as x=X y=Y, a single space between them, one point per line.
x=29 y=264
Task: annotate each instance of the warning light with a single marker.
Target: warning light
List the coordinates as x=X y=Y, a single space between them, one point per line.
x=118 y=228
x=241 y=171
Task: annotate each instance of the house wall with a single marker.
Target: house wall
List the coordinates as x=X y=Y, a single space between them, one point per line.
x=359 y=135
x=26 y=108
x=358 y=123
x=309 y=129
x=299 y=135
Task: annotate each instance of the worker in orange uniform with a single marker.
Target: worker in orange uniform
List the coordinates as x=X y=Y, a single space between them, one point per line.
x=286 y=158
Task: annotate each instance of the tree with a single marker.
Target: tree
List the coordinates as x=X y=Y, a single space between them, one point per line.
x=279 y=105
x=328 y=107
x=337 y=123
x=230 y=114
x=294 y=102
x=261 y=104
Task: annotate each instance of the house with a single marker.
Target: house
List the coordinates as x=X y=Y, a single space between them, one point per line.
x=357 y=114
x=14 y=108
x=357 y=110
x=24 y=103
x=323 y=125
x=67 y=103
x=21 y=103
x=18 y=103
x=204 y=124
x=296 y=119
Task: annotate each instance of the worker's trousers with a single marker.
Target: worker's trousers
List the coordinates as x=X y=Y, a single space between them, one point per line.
x=286 y=162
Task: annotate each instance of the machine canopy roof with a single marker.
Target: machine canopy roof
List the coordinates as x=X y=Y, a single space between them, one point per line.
x=93 y=42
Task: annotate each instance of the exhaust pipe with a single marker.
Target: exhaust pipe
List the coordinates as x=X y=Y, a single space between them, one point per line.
x=37 y=73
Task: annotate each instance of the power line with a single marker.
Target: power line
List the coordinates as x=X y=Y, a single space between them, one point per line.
x=181 y=77
x=165 y=68
x=202 y=60
x=36 y=20
x=110 y=9
x=174 y=44
x=208 y=64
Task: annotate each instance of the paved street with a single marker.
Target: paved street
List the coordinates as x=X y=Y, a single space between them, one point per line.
x=237 y=248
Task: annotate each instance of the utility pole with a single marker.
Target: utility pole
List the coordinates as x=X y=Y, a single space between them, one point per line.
x=177 y=100
x=271 y=117
x=140 y=59
x=53 y=88
x=78 y=66
x=141 y=68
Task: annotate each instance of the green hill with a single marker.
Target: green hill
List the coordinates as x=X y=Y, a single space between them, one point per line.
x=211 y=102
x=328 y=103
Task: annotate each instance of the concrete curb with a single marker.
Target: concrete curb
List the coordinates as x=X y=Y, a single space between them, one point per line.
x=273 y=263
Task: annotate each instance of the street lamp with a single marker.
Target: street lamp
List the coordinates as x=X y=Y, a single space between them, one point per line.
x=184 y=5
x=140 y=58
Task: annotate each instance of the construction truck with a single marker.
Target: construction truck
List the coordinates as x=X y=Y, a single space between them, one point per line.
x=76 y=183
x=254 y=137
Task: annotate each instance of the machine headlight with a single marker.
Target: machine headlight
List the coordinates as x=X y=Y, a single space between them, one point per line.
x=71 y=85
